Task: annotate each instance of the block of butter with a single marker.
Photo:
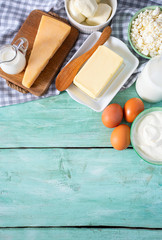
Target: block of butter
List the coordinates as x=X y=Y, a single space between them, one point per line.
x=98 y=71
x=50 y=36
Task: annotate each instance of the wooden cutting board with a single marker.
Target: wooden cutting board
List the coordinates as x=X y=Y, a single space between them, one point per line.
x=29 y=31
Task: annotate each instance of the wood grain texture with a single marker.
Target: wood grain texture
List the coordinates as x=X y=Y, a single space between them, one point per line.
x=65 y=187
x=79 y=234
x=57 y=122
x=29 y=31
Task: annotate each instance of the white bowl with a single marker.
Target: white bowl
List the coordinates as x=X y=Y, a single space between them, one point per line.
x=133 y=135
x=89 y=29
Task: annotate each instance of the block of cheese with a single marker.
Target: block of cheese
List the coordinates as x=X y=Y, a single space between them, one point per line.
x=74 y=12
x=98 y=71
x=50 y=36
x=101 y=16
x=86 y=7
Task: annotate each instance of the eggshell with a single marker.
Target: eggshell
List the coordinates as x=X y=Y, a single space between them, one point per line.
x=132 y=108
x=120 y=137
x=112 y=115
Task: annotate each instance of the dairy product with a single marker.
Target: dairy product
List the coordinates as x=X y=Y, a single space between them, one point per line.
x=98 y=71
x=147 y=136
x=101 y=16
x=16 y=65
x=74 y=12
x=146 y=32
x=149 y=84
x=90 y=12
x=86 y=7
x=51 y=34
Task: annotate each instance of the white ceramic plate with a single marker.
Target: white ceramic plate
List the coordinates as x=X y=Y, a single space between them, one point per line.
x=130 y=64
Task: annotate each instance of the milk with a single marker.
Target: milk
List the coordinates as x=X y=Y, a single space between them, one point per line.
x=149 y=82
x=16 y=65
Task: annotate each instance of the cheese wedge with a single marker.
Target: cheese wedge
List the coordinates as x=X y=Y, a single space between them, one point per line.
x=50 y=36
x=98 y=71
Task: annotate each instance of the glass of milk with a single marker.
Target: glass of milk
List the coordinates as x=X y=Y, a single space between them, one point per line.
x=149 y=82
x=12 y=56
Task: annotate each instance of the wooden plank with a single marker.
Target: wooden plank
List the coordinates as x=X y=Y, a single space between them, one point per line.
x=29 y=31
x=56 y=122
x=76 y=187
x=79 y=234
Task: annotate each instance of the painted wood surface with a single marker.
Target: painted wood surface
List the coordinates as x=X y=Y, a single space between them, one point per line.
x=79 y=234
x=72 y=187
x=78 y=187
x=56 y=122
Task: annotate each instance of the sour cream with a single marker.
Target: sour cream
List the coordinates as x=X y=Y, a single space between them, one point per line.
x=147 y=136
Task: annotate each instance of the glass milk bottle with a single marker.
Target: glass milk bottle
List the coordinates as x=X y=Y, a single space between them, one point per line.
x=12 y=56
x=149 y=82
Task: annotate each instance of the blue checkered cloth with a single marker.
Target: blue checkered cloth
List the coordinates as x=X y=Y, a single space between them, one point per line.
x=14 y=12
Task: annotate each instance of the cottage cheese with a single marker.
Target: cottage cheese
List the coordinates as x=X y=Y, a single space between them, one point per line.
x=146 y=32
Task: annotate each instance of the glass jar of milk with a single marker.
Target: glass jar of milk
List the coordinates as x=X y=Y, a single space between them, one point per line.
x=12 y=57
x=149 y=82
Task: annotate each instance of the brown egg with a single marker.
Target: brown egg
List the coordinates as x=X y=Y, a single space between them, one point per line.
x=112 y=115
x=120 y=137
x=132 y=108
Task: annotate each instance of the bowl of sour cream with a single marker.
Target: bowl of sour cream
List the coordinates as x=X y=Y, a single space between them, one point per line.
x=146 y=135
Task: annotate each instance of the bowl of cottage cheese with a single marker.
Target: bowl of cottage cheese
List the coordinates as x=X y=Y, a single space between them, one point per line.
x=145 y=32
x=146 y=135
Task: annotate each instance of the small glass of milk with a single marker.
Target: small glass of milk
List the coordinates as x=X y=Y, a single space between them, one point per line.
x=12 y=56
x=149 y=82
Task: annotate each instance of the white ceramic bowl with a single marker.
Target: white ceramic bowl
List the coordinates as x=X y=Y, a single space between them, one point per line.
x=89 y=29
x=141 y=154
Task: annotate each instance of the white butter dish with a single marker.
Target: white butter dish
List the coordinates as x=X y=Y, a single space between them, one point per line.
x=130 y=64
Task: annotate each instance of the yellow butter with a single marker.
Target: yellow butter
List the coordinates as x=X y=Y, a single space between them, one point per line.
x=50 y=36
x=98 y=71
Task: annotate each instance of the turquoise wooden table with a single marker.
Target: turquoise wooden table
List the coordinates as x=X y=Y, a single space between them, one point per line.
x=61 y=179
